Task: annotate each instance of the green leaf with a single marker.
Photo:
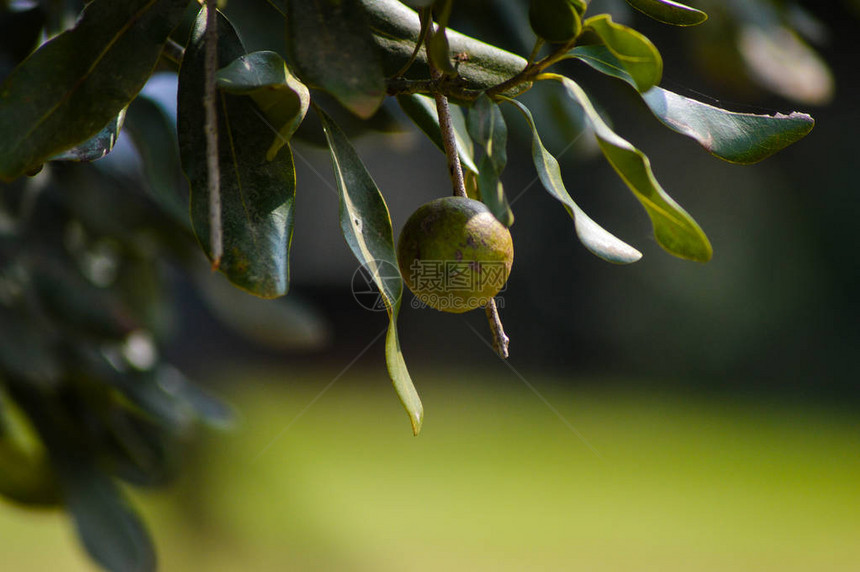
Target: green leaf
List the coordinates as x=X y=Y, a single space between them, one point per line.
x=26 y=475
x=735 y=137
x=154 y=137
x=670 y=12
x=675 y=230
x=75 y=84
x=97 y=146
x=108 y=527
x=281 y=97
x=396 y=30
x=330 y=46
x=487 y=128
x=440 y=52
x=594 y=237
x=285 y=324
x=421 y=109
x=257 y=195
x=366 y=226
x=636 y=54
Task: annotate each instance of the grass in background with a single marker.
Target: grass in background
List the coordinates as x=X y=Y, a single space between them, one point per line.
x=496 y=482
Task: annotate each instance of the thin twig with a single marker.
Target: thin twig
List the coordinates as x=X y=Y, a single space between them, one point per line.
x=500 y=338
x=210 y=129
x=449 y=141
x=535 y=51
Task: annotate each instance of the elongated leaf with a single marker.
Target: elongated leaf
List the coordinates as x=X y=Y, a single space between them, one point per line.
x=108 y=527
x=366 y=226
x=636 y=54
x=331 y=47
x=675 y=230
x=396 y=30
x=281 y=97
x=154 y=137
x=670 y=12
x=97 y=146
x=735 y=137
x=257 y=195
x=421 y=109
x=594 y=237
x=487 y=128
x=74 y=85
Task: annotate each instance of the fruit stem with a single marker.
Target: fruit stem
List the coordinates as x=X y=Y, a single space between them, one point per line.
x=448 y=140
x=500 y=338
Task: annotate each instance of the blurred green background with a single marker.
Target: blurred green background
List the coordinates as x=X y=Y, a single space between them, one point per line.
x=497 y=480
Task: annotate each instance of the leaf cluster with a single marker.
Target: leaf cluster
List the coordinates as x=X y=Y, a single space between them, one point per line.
x=84 y=397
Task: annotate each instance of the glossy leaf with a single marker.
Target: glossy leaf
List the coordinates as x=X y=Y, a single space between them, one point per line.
x=366 y=226
x=594 y=237
x=735 y=137
x=330 y=45
x=421 y=109
x=78 y=82
x=488 y=130
x=675 y=230
x=670 y=12
x=257 y=195
x=281 y=97
x=636 y=54
x=97 y=146
x=396 y=30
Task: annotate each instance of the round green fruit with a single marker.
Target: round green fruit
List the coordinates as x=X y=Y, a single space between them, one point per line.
x=454 y=255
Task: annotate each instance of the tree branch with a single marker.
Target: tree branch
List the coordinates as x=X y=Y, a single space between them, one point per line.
x=210 y=128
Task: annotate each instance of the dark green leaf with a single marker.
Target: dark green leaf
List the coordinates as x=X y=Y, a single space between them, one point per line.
x=26 y=476
x=26 y=350
x=75 y=84
x=281 y=97
x=154 y=137
x=421 y=109
x=77 y=305
x=257 y=195
x=330 y=46
x=636 y=54
x=288 y=324
x=366 y=226
x=596 y=239
x=675 y=230
x=107 y=525
x=96 y=146
x=670 y=12
x=396 y=30
x=735 y=137
x=201 y=403
x=487 y=128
